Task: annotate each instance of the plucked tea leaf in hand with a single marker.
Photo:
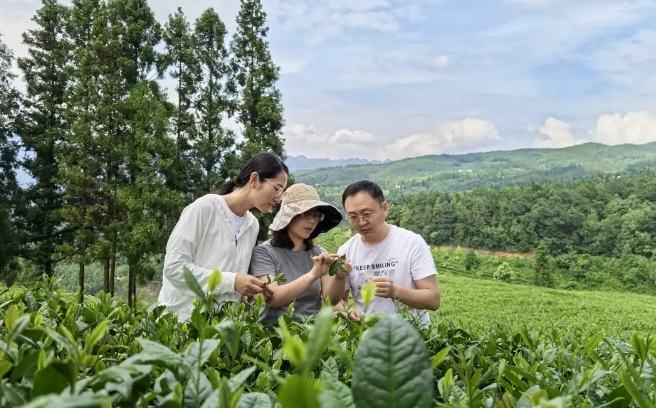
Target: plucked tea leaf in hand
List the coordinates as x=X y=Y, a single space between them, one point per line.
x=336 y=265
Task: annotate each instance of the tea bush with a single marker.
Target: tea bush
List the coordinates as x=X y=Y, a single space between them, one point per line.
x=58 y=353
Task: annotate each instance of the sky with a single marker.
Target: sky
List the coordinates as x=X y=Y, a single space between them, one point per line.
x=390 y=79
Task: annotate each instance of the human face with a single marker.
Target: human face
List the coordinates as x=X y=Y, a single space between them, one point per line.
x=303 y=225
x=365 y=214
x=268 y=192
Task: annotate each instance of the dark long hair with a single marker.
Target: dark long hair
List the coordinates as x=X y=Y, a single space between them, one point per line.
x=265 y=164
x=281 y=239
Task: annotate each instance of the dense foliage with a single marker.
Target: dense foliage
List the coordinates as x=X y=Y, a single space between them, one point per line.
x=612 y=216
x=452 y=173
x=56 y=352
x=111 y=161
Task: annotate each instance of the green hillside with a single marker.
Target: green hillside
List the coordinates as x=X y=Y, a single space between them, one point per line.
x=449 y=173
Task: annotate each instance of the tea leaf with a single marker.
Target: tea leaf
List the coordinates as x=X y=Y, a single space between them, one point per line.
x=368 y=292
x=319 y=338
x=200 y=352
x=214 y=281
x=192 y=283
x=237 y=380
x=392 y=367
x=254 y=400
x=11 y=317
x=230 y=336
x=639 y=346
x=69 y=401
x=96 y=335
x=336 y=265
x=439 y=357
x=55 y=378
x=298 y=392
x=334 y=394
x=635 y=393
x=5 y=366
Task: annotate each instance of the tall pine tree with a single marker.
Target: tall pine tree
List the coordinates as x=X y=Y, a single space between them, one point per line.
x=253 y=78
x=80 y=165
x=141 y=143
x=214 y=147
x=9 y=188
x=42 y=131
x=185 y=71
x=147 y=201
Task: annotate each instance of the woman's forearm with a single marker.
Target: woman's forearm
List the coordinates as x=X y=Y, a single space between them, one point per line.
x=285 y=294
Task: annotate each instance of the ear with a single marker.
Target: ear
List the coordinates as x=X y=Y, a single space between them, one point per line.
x=254 y=179
x=385 y=207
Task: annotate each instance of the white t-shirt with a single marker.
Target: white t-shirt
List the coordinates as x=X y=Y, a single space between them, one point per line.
x=403 y=256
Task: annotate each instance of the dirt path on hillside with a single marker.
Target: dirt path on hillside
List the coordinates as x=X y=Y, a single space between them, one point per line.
x=485 y=251
x=348 y=234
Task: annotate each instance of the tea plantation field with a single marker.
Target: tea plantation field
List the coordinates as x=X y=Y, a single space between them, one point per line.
x=55 y=352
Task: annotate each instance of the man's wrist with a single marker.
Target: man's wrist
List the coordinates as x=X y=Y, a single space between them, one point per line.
x=394 y=292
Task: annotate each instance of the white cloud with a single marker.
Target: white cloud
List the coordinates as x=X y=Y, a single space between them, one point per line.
x=449 y=137
x=637 y=127
x=633 y=128
x=554 y=134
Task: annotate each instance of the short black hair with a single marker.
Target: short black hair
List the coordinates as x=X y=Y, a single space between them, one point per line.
x=280 y=239
x=367 y=186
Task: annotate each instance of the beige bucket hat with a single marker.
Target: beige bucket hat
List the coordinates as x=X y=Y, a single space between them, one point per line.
x=300 y=198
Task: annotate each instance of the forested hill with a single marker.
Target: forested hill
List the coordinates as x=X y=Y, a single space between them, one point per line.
x=607 y=215
x=450 y=173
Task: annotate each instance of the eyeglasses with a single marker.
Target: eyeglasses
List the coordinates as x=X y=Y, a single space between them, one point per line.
x=279 y=189
x=313 y=214
x=365 y=217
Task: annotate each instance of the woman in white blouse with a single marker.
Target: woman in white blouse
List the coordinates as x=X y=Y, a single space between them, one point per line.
x=218 y=232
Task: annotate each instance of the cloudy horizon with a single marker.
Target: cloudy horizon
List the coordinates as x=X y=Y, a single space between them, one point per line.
x=389 y=79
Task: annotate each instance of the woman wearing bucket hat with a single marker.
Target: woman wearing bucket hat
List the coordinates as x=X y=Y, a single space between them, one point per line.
x=218 y=232
x=290 y=251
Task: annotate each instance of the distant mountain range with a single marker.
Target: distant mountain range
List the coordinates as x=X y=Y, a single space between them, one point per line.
x=499 y=169
x=296 y=163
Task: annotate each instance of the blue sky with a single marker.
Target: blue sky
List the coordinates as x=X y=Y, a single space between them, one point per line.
x=383 y=79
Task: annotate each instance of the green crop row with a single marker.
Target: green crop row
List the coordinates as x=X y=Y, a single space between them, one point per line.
x=57 y=353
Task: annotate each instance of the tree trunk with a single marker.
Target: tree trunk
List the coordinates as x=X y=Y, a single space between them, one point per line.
x=106 y=276
x=112 y=270
x=81 y=281
x=48 y=268
x=131 y=286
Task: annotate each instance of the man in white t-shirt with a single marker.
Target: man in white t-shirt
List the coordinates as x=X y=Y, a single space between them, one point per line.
x=398 y=260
